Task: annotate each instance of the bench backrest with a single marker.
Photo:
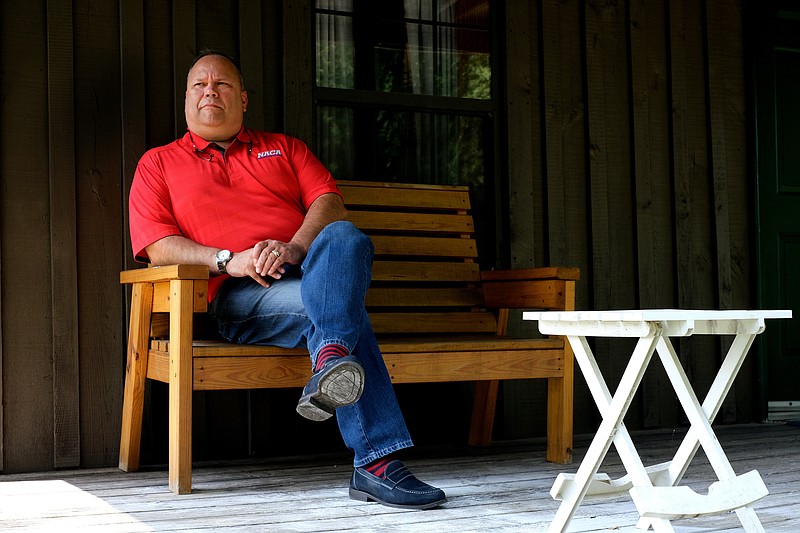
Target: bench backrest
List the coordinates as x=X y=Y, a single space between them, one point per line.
x=425 y=275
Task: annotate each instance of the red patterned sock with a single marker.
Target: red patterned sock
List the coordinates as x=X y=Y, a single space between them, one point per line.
x=328 y=352
x=378 y=467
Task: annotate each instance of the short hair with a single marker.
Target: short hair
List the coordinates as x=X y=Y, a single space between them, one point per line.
x=213 y=52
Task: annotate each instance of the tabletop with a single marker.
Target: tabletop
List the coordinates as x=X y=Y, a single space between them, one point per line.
x=643 y=322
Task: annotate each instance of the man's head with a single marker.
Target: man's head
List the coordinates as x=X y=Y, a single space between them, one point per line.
x=215 y=97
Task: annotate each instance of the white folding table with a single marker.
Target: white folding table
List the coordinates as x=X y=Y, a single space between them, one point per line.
x=655 y=490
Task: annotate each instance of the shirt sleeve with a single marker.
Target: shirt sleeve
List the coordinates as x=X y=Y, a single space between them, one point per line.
x=314 y=179
x=150 y=207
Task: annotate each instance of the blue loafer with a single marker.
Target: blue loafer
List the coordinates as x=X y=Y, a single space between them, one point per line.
x=339 y=383
x=400 y=489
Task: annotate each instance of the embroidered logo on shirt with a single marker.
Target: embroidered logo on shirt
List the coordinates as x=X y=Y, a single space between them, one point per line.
x=269 y=153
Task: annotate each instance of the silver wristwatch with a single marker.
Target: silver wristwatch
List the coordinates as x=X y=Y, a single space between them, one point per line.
x=223 y=258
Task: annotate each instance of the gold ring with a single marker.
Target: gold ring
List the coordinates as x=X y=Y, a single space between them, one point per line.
x=276 y=253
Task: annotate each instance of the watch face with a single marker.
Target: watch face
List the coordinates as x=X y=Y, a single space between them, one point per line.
x=223 y=255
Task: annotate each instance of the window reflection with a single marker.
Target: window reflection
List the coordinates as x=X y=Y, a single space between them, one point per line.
x=413 y=146
x=429 y=47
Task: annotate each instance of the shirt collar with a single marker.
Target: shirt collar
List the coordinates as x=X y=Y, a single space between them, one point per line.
x=194 y=141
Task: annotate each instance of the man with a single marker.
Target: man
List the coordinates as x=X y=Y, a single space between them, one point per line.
x=267 y=218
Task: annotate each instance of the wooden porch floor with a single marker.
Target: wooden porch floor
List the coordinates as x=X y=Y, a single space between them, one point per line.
x=500 y=489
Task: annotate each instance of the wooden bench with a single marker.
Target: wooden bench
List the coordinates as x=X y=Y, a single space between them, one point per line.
x=437 y=316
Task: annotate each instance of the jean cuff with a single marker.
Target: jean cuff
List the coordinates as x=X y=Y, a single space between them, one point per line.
x=382 y=453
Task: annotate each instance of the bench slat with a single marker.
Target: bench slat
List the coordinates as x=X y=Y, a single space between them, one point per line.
x=282 y=371
x=424 y=297
x=425 y=271
x=474 y=366
x=373 y=194
x=424 y=246
x=388 y=345
x=393 y=323
x=369 y=221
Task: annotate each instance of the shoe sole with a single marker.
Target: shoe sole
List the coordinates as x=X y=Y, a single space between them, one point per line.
x=342 y=386
x=362 y=496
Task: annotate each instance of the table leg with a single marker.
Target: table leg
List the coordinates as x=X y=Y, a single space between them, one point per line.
x=711 y=405
x=700 y=417
x=611 y=429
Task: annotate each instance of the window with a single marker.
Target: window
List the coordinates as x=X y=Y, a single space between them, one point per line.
x=405 y=92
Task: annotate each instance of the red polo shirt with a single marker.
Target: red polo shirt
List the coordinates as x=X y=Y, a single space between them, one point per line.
x=260 y=189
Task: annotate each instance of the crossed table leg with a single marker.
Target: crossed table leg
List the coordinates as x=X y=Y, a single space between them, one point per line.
x=654 y=489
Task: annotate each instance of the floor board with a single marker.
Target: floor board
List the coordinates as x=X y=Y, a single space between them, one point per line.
x=503 y=488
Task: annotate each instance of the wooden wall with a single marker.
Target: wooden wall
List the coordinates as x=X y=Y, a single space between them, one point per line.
x=630 y=142
x=627 y=156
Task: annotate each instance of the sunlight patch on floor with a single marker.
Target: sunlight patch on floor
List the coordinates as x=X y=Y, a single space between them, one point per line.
x=34 y=505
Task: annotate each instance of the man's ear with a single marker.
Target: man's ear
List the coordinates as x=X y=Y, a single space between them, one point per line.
x=244 y=101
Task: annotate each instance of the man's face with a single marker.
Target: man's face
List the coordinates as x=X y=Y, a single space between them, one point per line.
x=215 y=100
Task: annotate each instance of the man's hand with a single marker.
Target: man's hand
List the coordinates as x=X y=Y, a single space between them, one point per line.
x=265 y=260
x=269 y=257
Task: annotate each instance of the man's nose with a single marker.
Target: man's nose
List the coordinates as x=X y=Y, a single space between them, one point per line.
x=211 y=91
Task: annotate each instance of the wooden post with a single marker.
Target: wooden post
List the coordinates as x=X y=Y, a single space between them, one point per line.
x=135 y=373
x=560 y=398
x=180 y=386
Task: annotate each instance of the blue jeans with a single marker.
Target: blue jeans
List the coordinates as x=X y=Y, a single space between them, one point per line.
x=323 y=304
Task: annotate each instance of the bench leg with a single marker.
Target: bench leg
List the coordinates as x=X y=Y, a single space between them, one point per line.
x=135 y=373
x=180 y=386
x=560 y=411
x=483 y=409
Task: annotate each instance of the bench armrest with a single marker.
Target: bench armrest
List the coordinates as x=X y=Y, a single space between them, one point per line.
x=164 y=273
x=530 y=288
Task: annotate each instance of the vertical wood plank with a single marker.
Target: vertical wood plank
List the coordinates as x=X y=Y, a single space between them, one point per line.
x=610 y=195
x=651 y=146
x=523 y=404
x=98 y=154
x=3 y=7
x=159 y=69
x=184 y=48
x=693 y=205
x=251 y=60
x=609 y=154
x=2 y=403
x=724 y=43
x=299 y=58
x=63 y=265
x=133 y=93
x=24 y=182
x=564 y=122
x=651 y=159
x=271 y=68
x=525 y=184
x=147 y=117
